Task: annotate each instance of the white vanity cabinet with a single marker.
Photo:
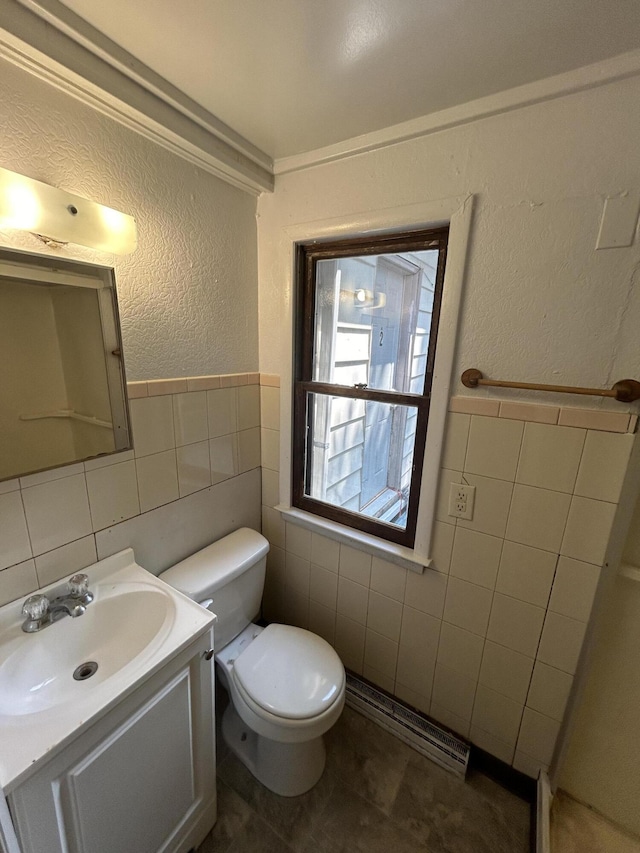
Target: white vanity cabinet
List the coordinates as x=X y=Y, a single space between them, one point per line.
x=141 y=779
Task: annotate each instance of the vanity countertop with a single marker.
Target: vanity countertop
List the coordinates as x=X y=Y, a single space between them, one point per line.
x=133 y=627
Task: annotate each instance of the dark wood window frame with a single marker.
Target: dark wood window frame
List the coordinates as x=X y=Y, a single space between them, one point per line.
x=307 y=256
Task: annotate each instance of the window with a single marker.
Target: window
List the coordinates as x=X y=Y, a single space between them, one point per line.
x=367 y=323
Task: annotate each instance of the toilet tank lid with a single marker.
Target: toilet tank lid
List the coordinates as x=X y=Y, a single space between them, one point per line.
x=219 y=563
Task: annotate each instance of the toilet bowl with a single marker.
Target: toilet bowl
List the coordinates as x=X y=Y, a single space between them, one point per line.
x=286 y=685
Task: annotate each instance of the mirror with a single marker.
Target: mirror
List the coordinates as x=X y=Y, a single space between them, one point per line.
x=62 y=382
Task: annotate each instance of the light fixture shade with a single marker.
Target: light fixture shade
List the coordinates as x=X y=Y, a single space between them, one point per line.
x=30 y=205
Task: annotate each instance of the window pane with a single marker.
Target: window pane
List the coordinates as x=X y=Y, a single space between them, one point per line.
x=360 y=456
x=373 y=316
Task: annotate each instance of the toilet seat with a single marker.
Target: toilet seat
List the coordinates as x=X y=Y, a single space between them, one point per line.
x=289 y=673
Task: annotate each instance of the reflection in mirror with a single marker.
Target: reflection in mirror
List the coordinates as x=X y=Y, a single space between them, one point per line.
x=62 y=383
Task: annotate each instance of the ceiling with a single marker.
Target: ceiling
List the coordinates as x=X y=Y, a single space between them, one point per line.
x=292 y=76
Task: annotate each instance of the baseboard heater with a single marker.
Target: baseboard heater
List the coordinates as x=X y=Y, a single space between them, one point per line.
x=425 y=737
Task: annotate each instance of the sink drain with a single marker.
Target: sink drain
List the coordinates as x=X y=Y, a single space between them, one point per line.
x=85 y=670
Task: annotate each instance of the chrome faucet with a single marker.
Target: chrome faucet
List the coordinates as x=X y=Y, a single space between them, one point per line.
x=42 y=611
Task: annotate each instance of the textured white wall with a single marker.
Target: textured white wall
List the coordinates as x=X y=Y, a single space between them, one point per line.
x=540 y=304
x=187 y=295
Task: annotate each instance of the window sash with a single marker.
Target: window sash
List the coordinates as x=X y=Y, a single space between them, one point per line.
x=308 y=256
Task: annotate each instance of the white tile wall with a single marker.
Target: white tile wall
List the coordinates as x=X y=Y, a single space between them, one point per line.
x=69 y=517
x=489 y=637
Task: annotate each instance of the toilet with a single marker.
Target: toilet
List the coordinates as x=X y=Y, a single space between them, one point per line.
x=286 y=685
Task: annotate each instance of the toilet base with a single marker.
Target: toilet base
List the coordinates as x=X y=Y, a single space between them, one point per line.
x=287 y=769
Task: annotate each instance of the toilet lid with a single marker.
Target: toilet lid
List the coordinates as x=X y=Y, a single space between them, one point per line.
x=290 y=672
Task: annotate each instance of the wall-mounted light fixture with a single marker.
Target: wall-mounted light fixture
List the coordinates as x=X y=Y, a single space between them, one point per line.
x=61 y=217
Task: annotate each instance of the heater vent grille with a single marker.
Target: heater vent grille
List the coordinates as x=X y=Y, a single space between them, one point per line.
x=441 y=747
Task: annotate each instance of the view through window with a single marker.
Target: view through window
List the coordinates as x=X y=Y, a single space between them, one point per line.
x=366 y=344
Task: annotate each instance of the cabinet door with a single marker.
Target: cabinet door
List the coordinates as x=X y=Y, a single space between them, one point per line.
x=135 y=789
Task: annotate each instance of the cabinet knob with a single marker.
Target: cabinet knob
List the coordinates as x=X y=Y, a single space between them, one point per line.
x=208 y=654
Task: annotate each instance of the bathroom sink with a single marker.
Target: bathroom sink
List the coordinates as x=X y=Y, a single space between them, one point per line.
x=37 y=670
x=135 y=624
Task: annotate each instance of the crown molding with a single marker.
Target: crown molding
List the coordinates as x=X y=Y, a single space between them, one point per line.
x=580 y=79
x=56 y=46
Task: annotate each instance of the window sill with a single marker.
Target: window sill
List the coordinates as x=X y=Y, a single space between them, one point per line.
x=398 y=554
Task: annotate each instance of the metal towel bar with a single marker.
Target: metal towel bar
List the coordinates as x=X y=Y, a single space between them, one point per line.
x=624 y=391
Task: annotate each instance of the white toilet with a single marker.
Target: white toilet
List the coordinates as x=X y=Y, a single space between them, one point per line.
x=286 y=685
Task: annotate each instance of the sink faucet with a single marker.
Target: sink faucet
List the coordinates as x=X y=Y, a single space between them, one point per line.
x=42 y=611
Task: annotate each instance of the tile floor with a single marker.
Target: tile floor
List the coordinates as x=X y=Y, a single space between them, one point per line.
x=376 y=795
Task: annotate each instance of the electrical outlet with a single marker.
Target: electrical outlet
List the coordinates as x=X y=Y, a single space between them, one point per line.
x=461 y=500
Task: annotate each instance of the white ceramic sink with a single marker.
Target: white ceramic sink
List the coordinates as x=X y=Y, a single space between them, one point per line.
x=133 y=626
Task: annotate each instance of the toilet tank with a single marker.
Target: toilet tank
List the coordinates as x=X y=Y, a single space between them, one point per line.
x=231 y=572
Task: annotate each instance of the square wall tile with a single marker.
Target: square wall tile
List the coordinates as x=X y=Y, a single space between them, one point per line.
x=248 y=449
x=270 y=487
x=222 y=411
x=18 y=581
x=270 y=407
x=603 y=465
x=298 y=540
x=442 y=546
x=549 y=691
x=453 y=691
x=273 y=526
x=384 y=616
x=426 y=592
x=323 y=587
x=353 y=600
x=378 y=678
x=491 y=744
x=194 y=467
x=447 y=477
x=322 y=621
x=355 y=565
x=223 y=457
x=526 y=573
x=468 y=606
x=561 y=642
x=537 y=517
x=53 y=474
x=497 y=715
x=14 y=539
x=380 y=653
x=538 y=736
x=113 y=494
x=476 y=557
x=276 y=558
x=491 y=508
x=419 y=635
x=515 y=624
x=574 y=588
x=528 y=765
x=152 y=423
x=66 y=561
x=550 y=457
x=388 y=579
x=450 y=720
x=494 y=447
x=248 y=407
x=157 y=480
x=415 y=673
x=9 y=486
x=460 y=650
x=455 y=441
x=297 y=573
x=190 y=418
x=412 y=697
x=325 y=552
x=588 y=527
x=296 y=607
x=270 y=449
x=505 y=671
x=57 y=512
x=350 y=638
